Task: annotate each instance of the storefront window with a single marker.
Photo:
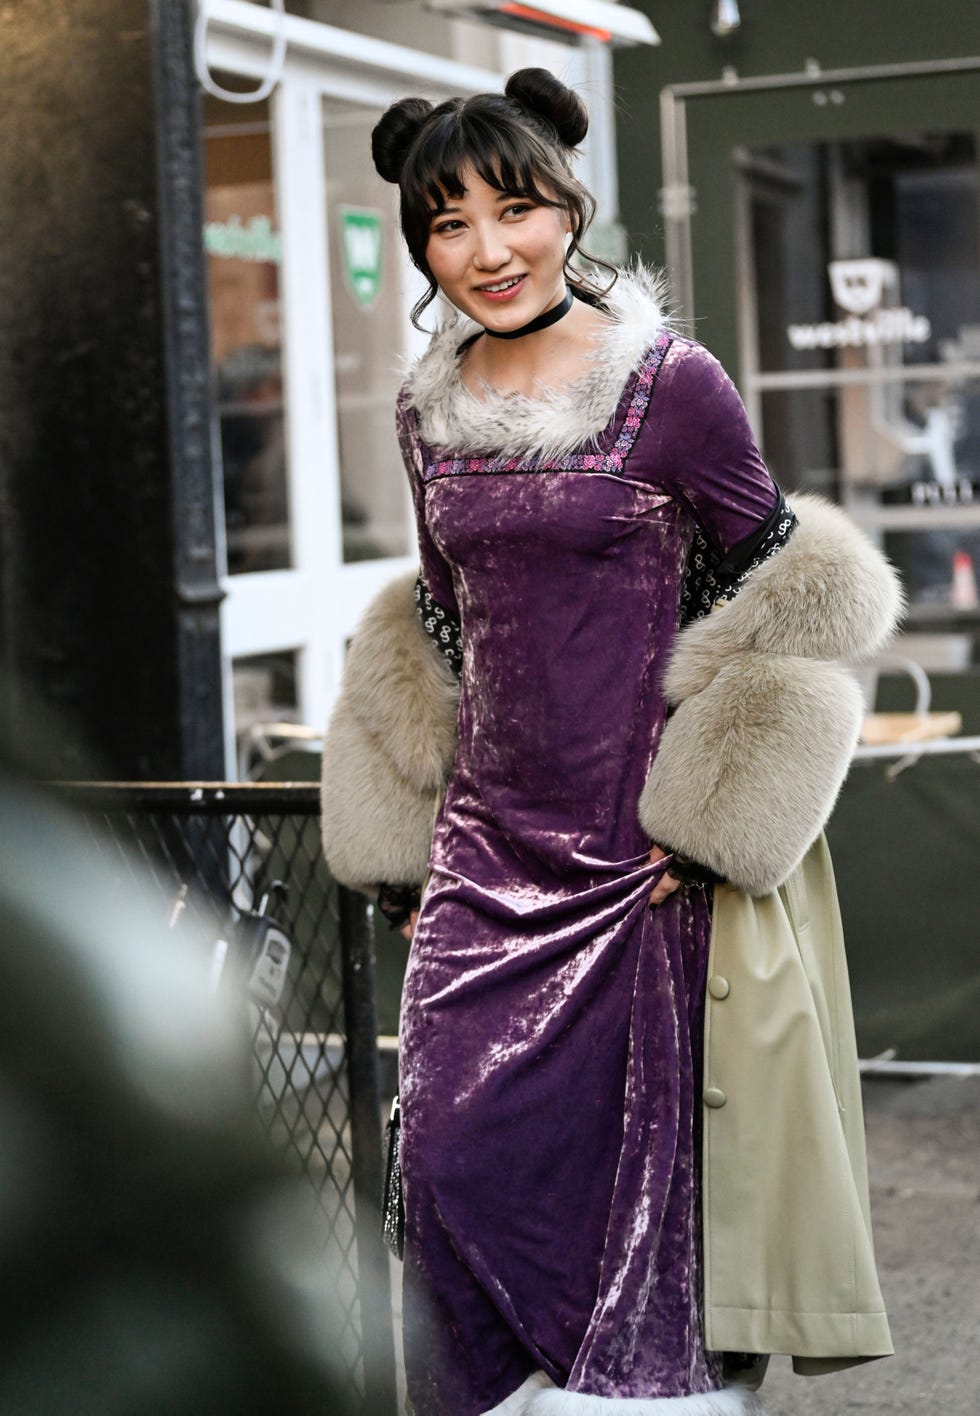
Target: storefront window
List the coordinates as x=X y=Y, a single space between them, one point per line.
x=244 y=256
x=864 y=348
x=265 y=689
x=368 y=329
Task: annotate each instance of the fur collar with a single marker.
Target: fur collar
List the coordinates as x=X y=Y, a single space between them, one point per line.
x=560 y=420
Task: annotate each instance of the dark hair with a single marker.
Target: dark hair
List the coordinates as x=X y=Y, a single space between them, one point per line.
x=519 y=142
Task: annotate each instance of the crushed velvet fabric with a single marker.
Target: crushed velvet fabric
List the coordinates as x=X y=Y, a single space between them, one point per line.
x=552 y=1023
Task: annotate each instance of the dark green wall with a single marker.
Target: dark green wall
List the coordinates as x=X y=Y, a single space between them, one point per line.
x=776 y=36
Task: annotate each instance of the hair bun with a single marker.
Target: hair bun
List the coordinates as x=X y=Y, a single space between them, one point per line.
x=394 y=134
x=538 y=91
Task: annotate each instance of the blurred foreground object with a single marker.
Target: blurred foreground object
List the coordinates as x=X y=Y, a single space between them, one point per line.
x=154 y=1256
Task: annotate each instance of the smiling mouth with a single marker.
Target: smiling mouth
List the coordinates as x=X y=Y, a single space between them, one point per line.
x=500 y=286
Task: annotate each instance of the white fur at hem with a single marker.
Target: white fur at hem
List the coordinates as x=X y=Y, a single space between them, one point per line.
x=539 y=1396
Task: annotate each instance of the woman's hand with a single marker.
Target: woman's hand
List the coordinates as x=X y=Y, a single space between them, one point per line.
x=666 y=885
x=407 y=930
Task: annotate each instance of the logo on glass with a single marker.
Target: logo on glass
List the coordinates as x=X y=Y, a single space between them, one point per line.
x=859 y=285
x=859 y=288
x=361 y=243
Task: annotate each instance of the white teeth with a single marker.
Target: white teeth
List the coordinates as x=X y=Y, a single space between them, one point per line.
x=504 y=285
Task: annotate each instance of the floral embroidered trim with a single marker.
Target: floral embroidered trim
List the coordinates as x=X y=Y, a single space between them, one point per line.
x=612 y=461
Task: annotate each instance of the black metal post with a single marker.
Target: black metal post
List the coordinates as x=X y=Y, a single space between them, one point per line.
x=365 y=1104
x=180 y=186
x=108 y=575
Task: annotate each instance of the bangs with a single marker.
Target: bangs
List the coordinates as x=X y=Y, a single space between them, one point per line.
x=516 y=153
x=502 y=157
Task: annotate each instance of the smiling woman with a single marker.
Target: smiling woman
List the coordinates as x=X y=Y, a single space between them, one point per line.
x=500 y=260
x=585 y=486
x=518 y=144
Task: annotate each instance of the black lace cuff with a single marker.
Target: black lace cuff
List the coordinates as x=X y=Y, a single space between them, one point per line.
x=710 y=578
x=396 y=903
x=689 y=872
x=442 y=627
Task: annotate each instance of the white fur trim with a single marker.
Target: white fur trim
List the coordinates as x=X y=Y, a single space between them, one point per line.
x=554 y=421
x=539 y=1396
x=517 y=1403
x=732 y=1401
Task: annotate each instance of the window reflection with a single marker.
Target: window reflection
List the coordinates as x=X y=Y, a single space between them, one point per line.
x=265 y=689
x=244 y=257
x=368 y=324
x=864 y=368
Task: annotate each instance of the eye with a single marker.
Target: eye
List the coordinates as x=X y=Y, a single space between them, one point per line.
x=447 y=227
x=518 y=208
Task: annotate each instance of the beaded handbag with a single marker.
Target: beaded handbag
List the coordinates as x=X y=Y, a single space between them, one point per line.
x=392 y=1201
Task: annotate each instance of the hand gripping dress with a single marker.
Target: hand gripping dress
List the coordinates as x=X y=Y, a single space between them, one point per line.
x=552 y=1022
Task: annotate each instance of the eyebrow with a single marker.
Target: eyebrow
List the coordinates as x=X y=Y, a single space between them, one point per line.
x=449 y=210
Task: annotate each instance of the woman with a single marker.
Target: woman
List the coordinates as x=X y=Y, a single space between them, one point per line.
x=586 y=483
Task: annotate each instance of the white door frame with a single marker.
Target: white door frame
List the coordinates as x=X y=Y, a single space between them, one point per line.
x=313 y=607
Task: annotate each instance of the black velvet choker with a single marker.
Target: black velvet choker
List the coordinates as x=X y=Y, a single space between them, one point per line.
x=550 y=317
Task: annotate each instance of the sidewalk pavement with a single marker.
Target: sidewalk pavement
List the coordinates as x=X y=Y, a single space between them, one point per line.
x=924 y=1160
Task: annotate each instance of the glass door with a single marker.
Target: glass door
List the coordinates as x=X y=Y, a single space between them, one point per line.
x=826 y=231
x=244 y=254
x=372 y=286
x=310 y=299
x=863 y=361
x=828 y=247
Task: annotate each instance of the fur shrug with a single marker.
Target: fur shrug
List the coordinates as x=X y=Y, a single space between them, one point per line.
x=766 y=715
x=389 y=747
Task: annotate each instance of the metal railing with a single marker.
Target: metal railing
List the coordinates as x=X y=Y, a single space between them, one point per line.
x=219 y=847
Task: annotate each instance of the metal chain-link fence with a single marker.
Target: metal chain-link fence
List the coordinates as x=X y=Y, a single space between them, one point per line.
x=215 y=851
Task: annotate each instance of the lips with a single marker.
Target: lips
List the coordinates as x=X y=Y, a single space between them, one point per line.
x=500 y=290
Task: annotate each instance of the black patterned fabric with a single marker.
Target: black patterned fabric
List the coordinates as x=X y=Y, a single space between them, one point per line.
x=688 y=871
x=442 y=627
x=396 y=903
x=712 y=578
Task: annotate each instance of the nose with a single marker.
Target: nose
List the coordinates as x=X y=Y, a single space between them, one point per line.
x=490 y=249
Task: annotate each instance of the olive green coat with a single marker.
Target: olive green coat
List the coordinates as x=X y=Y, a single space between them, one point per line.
x=789 y=1262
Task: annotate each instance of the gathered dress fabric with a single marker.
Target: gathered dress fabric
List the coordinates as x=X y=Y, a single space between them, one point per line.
x=552 y=1023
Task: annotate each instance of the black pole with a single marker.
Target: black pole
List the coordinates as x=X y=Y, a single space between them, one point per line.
x=360 y=1020
x=187 y=358
x=108 y=572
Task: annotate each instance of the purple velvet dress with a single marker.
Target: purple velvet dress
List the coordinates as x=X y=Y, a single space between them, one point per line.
x=551 y=1023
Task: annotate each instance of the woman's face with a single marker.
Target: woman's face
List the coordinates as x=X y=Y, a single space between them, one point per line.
x=499 y=258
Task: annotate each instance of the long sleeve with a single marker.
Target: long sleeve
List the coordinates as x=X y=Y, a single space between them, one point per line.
x=436 y=573
x=701 y=445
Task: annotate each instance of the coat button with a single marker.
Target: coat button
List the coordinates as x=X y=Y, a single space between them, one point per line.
x=718 y=986
x=714 y=1097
